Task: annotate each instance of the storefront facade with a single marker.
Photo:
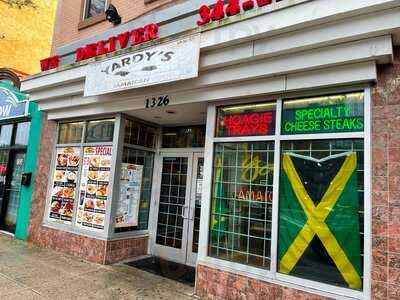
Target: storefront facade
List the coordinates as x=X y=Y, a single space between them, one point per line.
x=20 y=124
x=259 y=147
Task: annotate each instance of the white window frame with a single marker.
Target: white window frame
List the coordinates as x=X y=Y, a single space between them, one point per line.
x=121 y=146
x=272 y=275
x=72 y=228
x=118 y=146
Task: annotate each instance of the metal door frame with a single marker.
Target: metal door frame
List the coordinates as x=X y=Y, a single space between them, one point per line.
x=169 y=253
x=10 y=168
x=191 y=258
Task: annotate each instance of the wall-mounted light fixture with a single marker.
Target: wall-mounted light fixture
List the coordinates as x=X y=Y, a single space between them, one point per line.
x=112 y=15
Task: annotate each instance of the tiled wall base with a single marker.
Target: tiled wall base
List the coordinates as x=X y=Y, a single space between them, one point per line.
x=124 y=249
x=217 y=284
x=94 y=250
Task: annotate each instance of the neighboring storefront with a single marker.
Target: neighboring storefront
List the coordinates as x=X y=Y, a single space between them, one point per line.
x=255 y=152
x=20 y=124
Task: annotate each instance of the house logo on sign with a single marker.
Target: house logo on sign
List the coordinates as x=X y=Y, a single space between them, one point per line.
x=9 y=102
x=10 y=106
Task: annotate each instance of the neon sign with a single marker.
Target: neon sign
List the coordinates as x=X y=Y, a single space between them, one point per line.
x=321 y=119
x=249 y=124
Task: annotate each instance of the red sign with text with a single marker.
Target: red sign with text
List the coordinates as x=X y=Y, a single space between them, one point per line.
x=121 y=41
x=220 y=11
x=250 y=124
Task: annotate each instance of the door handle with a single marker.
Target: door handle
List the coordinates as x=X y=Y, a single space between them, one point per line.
x=184 y=212
x=191 y=213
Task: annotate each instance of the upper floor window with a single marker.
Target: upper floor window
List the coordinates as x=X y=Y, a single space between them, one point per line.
x=94 y=8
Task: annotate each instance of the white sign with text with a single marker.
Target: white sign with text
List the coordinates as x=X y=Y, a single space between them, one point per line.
x=168 y=62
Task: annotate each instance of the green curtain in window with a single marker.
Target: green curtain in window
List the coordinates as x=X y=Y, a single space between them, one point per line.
x=319 y=205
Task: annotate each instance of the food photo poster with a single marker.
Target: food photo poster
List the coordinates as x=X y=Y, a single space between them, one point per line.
x=64 y=184
x=94 y=187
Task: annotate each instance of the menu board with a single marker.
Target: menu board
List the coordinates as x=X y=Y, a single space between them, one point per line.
x=64 y=184
x=129 y=196
x=94 y=187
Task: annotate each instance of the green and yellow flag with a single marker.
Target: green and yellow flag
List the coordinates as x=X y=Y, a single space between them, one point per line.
x=319 y=230
x=219 y=222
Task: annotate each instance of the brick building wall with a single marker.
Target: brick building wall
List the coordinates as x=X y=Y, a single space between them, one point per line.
x=91 y=249
x=218 y=284
x=69 y=16
x=386 y=182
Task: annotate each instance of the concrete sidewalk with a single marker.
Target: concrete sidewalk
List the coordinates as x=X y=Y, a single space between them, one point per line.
x=29 y=272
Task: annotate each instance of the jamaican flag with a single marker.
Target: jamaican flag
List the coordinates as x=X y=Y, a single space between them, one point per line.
x=219 y=222
x=319 y=235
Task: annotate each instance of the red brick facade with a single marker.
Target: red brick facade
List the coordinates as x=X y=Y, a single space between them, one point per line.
x=217 y=284
x=67 y=28
x=99 y=251
x=386 y=182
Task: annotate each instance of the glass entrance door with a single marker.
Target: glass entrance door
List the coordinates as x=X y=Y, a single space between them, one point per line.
x=195 y=208
x=12 y=191
x=4 y=156
x=178 y=207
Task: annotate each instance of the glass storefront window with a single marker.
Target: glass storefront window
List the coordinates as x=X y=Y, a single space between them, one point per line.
x=336 y=113
x=4 y=156
x=147 y=136
x=246 y=120
x=22 y=134
x=70 y=133
x=81 y=175
x=135 y=190
x=82 y=171
x=133 y=205
x=6 y=135
x=183 y=137
x=320 y=219
x=139 y=134
x=241 y=202
x=100 y=131
x=321 y=211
